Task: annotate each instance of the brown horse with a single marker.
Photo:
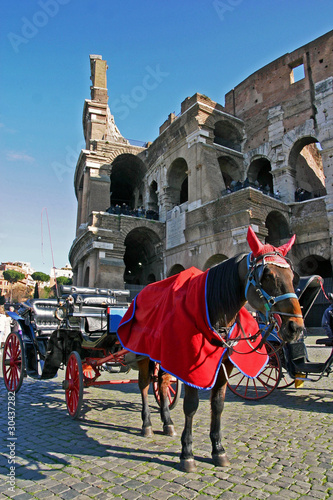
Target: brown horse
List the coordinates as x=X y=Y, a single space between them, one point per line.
x=264 y=278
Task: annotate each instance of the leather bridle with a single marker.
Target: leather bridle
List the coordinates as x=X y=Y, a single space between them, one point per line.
x=255 y=270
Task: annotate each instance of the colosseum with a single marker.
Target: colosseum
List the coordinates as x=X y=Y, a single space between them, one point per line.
x=263 y=158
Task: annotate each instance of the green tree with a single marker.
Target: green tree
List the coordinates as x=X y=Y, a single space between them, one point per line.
x=12 y=277
x=62 y=280
x=41 y=277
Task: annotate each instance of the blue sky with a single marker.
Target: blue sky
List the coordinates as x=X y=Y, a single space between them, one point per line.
x=206 y=46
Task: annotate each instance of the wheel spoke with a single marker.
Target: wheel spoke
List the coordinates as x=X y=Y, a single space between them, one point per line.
x=12 y=362
x=74 y=378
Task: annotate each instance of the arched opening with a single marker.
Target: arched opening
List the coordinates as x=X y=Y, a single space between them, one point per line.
x=141 y=259
x=227 y=135
x=86 y=277
x=214 y=260
x=184 y=191
x=151 y=278
x=230 y=171
x=178 y=182
x=278 y=228
x=153 y=208
x=315 y=264
x=176 y=269
x=126 y=181
x=306 y=163
x=259 y=175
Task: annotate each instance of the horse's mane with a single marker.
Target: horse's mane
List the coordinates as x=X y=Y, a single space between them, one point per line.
x=224 y=291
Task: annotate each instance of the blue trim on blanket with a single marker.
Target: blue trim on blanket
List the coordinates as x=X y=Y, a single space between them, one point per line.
x=210 y=326
x=173 y=374
x=158 y=361
x=261 y=369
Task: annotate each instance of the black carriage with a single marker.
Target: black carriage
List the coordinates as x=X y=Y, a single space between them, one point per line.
x=288 y=364
x=76 y=332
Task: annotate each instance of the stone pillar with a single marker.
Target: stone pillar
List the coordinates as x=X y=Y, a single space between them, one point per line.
x=79 y=207
x=283 y=177
x=324 y=117
x=99 y=192
x=284 y=181
x=85 y=192
x=79 y=279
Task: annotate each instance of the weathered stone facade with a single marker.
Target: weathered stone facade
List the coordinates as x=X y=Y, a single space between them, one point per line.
x=186 y=199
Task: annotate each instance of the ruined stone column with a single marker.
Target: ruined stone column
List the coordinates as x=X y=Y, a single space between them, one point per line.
x=324 y=106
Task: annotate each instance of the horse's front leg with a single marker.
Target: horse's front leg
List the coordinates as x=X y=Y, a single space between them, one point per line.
x=163 y=384
x=191 y=403
x=144 y=381
x=217 y=403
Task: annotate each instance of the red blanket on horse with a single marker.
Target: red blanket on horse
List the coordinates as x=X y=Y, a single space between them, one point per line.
x=168 y=322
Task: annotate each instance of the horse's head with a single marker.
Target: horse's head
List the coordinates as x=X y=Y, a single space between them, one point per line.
x=269 y=288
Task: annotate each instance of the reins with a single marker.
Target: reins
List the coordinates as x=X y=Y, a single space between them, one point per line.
x=254 y=275
x=255 y=269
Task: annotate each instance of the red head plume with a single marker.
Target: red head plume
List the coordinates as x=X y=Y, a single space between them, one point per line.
x=259 y=248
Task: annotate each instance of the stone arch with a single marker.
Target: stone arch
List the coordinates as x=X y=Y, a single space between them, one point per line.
x=306 y=164
x=142 y=258
x=177 y=180
x=214 y=260
x=227 y=135
x=176 y=269
x=315 y=264
x=127 y=177
x=230 y=170
x=278 y=228
x=259 y=173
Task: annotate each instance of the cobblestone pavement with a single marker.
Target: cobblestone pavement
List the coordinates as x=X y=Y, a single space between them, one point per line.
x=280 y=447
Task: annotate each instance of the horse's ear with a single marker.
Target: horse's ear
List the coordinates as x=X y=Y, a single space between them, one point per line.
x=284 y=249
x=253 y=241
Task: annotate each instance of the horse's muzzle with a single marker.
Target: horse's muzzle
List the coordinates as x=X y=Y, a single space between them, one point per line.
x=291 y=330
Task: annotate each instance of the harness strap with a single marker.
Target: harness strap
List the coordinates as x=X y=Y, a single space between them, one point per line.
x=269 y=301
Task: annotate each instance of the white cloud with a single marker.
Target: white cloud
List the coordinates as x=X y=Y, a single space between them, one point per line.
x=17 y=156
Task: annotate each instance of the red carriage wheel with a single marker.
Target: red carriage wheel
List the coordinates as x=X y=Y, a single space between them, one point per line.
x=285 y=380
x=74 y=385
x=174 y=389
x=261 y=386
x=13 y=362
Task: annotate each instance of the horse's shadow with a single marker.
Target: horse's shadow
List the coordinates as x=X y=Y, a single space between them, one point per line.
x=302 y=399
x=43 y=419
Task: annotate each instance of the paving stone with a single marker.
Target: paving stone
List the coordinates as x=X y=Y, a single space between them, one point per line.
x=103 y=456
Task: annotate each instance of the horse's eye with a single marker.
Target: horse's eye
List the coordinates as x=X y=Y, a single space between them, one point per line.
x=296 y=279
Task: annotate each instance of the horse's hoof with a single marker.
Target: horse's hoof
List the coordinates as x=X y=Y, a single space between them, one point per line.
x=221 y=460
x=169 y=430
x=188 y=465
x=147 y=432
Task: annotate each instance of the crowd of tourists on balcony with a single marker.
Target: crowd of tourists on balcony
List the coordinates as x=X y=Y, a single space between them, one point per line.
x=237 y=185
x=124 y=209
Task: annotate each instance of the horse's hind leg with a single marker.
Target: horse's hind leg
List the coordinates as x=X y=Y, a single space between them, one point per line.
x=191 y=403
x=144 y=381
x=217 y=403
x=163 y=383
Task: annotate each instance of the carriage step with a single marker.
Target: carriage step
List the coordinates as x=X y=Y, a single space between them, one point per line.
x=327 y=341
x=309 y=367
x=93 y=344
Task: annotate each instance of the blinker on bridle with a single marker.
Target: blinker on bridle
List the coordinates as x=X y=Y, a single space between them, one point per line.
x=255 y=269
